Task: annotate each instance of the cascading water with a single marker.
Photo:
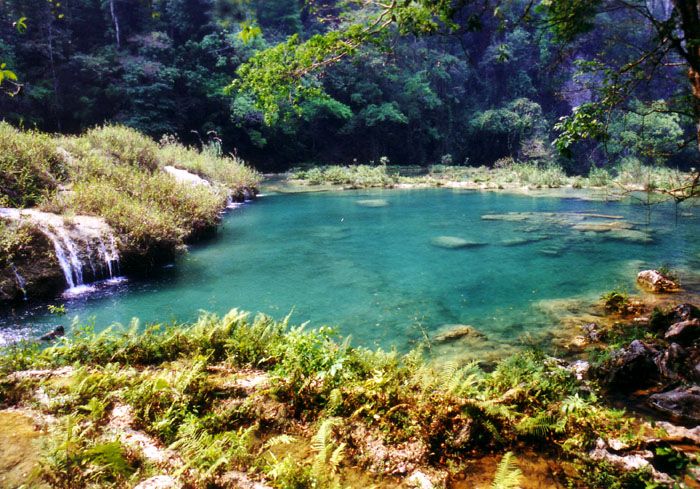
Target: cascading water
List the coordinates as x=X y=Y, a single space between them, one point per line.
x=68 y=256
x=86 y=245
x=76 y=264
x=63 y=261
x=21 y=283
x=115 y=255
x=111 y=256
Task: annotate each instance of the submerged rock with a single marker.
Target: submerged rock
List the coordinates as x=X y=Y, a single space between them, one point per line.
x=682 y=403
x=602 y=227
x=523 y=241
x=511 y=216
x=551 y=251
x=454 y=242
x=52 y=335
x=372 y=203
x=630 y=235
x=452 y=332
x=654 y=281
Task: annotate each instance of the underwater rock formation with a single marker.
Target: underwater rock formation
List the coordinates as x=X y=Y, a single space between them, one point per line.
x=454 y=242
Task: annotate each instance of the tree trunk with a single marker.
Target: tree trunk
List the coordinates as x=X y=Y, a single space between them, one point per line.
x=115 y=19
x=690 y=50
x=694 y=77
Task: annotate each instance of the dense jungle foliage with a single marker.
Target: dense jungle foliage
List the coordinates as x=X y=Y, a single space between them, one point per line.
x=494 y=87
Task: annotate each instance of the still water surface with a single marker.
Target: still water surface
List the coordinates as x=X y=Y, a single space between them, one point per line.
x=374 y=263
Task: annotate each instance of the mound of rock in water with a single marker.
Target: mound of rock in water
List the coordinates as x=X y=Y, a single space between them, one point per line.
x=453 y=332
x=372 y=203
x=656 y=282
x=588 y=224
x=454 y=242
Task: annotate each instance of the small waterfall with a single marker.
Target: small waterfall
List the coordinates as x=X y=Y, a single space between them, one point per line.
x=76 y=264
x=115 y=253
x=111 y=256
x=91 y=262
x=21 y=283
x=105 y=257
x=63 y=260
x=85 y=247
x=232 y=204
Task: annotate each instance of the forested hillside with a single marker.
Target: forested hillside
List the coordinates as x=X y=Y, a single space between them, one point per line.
x=494 y=87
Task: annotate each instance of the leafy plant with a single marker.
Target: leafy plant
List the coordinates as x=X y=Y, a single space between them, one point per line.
x=508 y=475
x=615 y=300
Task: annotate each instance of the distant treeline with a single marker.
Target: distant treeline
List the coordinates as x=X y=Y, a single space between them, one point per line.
x=469 y=98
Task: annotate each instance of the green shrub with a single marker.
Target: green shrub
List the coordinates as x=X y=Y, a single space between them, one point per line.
x=615 y=300
x=151 y=210
x=124 y=145
x=30 y=167
x=72 y=459
x=356 y=176
x=13 y=238
x=599 y=177
x=229 y=171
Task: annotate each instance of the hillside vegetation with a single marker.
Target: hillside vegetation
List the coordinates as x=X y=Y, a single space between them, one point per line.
x=114 y=173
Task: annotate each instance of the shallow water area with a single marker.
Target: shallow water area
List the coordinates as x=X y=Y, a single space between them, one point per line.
x=396 y=273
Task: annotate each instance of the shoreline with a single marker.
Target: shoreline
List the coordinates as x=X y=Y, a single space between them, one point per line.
x=279 y=183
x=250 y=380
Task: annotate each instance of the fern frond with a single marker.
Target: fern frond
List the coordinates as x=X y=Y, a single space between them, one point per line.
x=323 y=437
x=497 y=410
x=508 y=474
x=336 y=457
x=277 y=440
x=540 y=425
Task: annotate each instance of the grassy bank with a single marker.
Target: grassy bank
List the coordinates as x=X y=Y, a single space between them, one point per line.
x=506 y=174
x=228 y=400
x=117 y=174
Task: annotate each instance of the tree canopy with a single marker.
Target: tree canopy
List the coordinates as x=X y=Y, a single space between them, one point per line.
x=285 y=82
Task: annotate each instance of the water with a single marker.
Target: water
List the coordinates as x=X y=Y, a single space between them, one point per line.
x=375 y=273
x=67 y=258
x=21 y=283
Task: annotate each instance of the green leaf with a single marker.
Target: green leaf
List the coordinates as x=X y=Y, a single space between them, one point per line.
x=249 y=31
x=508 y=475
x=21 y=25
